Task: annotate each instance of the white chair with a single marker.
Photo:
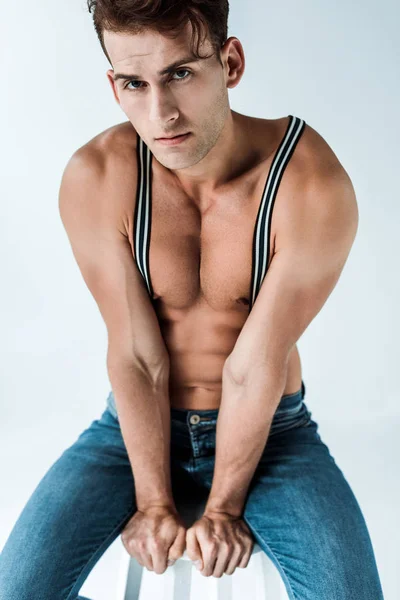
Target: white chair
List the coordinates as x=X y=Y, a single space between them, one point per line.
x=260 y=580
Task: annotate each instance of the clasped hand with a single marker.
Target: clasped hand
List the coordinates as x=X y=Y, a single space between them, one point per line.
x=218 y=542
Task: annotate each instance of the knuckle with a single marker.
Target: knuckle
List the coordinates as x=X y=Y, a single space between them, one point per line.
x=129 y=545
x=242 y=550
x=156 y=544
x=226 y=545
x=126 y=538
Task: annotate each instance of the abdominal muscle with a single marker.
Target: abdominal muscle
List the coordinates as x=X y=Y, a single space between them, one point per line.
x=207 y=396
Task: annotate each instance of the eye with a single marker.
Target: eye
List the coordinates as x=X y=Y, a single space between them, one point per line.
x=133 y=89
x=184 y=71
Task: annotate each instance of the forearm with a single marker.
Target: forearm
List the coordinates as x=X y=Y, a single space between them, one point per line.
x=144 y=416
x=244 y=421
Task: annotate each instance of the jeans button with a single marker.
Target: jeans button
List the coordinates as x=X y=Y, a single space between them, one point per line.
x=194 y=419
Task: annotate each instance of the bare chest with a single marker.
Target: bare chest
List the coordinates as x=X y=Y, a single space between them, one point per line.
x=204 y=257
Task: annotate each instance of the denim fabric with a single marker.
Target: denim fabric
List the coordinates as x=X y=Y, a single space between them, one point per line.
x=299 y=507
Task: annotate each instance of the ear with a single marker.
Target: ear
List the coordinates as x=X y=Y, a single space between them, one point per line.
x=233 y=56
x=110 y=74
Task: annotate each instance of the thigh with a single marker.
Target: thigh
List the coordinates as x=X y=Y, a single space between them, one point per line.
x=76 y=511
x=305 y=517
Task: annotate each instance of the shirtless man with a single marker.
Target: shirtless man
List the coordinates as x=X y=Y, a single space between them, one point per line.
x=178 y=241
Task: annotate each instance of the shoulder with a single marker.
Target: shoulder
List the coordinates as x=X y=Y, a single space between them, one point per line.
x=315 y=189
x=325 y=185
x=105 y=167
x=312 y=156
x=113 y=148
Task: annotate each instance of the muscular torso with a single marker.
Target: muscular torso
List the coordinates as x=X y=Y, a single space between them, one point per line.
x=200 y=260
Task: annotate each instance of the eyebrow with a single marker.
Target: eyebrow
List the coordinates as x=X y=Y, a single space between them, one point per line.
x=166 y=71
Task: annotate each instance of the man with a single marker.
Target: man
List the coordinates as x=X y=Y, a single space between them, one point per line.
x=208 y=255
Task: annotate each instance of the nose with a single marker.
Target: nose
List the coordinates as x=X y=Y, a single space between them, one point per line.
x=162 y=108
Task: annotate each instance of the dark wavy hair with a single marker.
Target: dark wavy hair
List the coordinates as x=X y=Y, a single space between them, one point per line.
x=168 y=17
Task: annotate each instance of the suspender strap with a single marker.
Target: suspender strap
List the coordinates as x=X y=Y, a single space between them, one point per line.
x=142 y=220
x=261 y=238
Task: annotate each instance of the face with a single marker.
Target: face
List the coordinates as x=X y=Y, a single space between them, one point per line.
x=192 y=97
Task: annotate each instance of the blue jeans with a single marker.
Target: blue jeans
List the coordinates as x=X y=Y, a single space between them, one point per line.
x=299 y=507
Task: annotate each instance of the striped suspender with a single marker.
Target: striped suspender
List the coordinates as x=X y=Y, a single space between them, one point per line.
x=142 y=220
x=261 y=238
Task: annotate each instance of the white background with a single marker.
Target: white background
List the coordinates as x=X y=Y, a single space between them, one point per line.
x=335 y=65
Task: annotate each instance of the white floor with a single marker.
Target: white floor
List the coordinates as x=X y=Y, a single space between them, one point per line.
x=368 y=456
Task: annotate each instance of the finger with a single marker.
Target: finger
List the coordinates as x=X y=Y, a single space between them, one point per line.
x=138 y=553
x=143 y=552
x=236 y=557
x=209 y=550
x=137 y=557
x=159 y=551
x=178 y=546
x=223 y=558
x=162 y=556
x=244 y=561
x=149 y=564
x=146 y=560
x=210 y=556
x=193 y=549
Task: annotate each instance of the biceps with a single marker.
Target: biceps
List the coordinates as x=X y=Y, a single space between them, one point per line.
x=293 y=292
x=122 y=298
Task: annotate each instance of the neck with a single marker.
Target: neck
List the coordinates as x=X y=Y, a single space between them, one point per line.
x=224 y=161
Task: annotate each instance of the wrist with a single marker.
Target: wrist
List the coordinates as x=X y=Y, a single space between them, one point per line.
x=157 y=501
x=149 y=508
x=222 y=508
x=221 y=499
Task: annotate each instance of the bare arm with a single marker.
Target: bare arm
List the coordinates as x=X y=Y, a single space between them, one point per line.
x=311 y=251
x=137 y=359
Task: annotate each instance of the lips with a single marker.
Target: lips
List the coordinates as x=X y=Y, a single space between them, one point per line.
x=170 y=137
x=174 y=141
